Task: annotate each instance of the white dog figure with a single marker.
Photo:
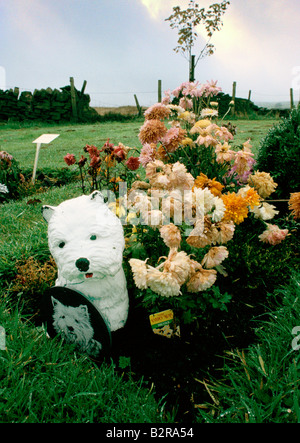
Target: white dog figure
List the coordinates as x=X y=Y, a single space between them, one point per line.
x=75 y=326
x=86 y=240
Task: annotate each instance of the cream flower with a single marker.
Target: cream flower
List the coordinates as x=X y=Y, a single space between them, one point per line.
x=172 y=205
x=203 y=234
x=139 y=201
x=139 y=269
x=215 y=256
x=224 y=153
x=201 y=280
x=209 y=113
x=171 y=235
x=218 y=209
x=263 y=183
x=265 y=211
x=155 y=218
x=179 y=265
x=163 y=283
x=180 y=178
x=225 y=232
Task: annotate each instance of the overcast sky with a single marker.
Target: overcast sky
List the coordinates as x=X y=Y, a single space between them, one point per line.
x=123 y=47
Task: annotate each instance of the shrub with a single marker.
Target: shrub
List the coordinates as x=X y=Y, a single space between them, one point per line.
x=10 y=177
x=280 y=152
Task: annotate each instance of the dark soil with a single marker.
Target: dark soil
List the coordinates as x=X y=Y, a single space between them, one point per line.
x=175 y=365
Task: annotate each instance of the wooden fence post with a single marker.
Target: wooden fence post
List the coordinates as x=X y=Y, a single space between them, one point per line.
x=83 y=87
x=159 y=91
x=73 y=99
x=138 y=106
x=292 y=98
x=192 y=69
x=233 y=98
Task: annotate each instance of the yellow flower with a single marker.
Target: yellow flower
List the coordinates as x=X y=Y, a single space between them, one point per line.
x=236 y=208
x=188 y=142
x=117 y=208
x=200 y=124
x=184 y=115
x=202 y=181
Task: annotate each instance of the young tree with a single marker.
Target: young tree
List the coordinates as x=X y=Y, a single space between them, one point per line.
x=187 y=21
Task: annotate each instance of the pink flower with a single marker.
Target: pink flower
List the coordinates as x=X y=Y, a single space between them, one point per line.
x=186 y=103
x=147 y=154
x=133 y=163
x=273 y=235
x=167 y=98
x=211 y=88
x=70 y=159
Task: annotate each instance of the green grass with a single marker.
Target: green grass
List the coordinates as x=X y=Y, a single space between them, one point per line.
x=261 y=384
x=44 y=380
x=17 y=138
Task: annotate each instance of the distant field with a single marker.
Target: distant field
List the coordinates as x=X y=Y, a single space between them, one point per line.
x=123 y=110
x=17 y=138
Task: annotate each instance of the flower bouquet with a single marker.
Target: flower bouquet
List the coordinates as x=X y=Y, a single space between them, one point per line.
x=198 y=187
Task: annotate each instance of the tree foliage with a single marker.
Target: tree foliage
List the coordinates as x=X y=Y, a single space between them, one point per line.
x=187 y=21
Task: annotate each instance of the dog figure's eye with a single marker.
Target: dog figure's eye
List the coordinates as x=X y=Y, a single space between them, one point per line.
x=61 y=244
x=93 y=237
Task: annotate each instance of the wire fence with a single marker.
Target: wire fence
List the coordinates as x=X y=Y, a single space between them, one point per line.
x=147 y=98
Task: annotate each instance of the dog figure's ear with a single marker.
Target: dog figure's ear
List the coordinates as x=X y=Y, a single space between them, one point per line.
x=47 y=212
x=97 y=196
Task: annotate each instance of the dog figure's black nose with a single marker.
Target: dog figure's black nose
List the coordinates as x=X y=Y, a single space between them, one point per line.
x=82 y=264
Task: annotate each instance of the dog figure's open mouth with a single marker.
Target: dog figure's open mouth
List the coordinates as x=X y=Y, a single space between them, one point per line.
x=89 y=275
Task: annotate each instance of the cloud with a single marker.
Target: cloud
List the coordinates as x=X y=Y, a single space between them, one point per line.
x=162 y=8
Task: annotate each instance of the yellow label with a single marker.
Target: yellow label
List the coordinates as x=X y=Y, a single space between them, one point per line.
x=163 y=323
x=161 y=318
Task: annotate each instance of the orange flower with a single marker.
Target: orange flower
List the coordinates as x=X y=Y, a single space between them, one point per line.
x=236 y=208
x=294 y=204
x=158 y=111
x=110 y=160
x=152 y=131
x=251 y=195
x=202 y=181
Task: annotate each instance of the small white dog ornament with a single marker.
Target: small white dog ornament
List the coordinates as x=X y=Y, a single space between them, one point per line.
x=86 y=240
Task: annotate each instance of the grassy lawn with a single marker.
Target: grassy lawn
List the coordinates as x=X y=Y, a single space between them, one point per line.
x=17 y=138
x=42 y=380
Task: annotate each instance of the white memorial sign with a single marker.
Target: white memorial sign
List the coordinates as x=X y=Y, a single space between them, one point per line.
x=45 y=138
